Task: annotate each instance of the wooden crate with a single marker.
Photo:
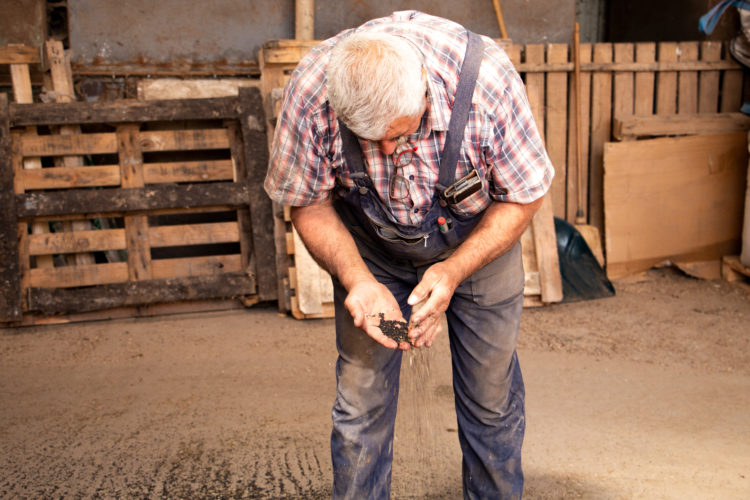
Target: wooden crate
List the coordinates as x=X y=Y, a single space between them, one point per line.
x=170 y=187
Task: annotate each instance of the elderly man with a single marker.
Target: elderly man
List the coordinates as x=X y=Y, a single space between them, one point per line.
x=408 y=152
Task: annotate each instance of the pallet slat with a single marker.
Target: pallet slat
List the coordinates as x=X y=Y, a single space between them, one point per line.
x=195 y=266
x=188 y=171
x=66 y=301
x=193 y=234
x=71 y=177
x=124 y=111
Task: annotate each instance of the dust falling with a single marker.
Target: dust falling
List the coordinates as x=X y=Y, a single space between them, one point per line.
x=419 y=428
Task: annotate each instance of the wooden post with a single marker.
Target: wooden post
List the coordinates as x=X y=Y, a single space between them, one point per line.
x=304 y=19
x=256 y=163
x=11 y=307
x=136 y=226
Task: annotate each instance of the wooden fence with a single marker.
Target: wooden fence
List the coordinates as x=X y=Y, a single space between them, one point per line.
x=617 y=81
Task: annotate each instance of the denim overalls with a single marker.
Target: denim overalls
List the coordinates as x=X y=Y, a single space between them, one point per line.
x=483 y=320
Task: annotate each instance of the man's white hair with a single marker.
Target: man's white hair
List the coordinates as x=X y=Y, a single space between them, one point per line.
x=374 y=78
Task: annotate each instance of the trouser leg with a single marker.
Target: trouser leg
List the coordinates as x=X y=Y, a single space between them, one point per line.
x=364 y=412
x=489 y=392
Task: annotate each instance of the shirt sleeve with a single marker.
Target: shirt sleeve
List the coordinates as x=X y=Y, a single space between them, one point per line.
x=300 y=172
x=520 y=170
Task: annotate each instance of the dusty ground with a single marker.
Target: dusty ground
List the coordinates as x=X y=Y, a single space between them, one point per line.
x=644 y=395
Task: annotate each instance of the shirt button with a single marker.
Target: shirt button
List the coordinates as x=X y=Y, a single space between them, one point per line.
x=411 y=177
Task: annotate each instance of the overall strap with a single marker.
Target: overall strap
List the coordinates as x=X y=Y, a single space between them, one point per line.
x=460 y=114
x=353 y=157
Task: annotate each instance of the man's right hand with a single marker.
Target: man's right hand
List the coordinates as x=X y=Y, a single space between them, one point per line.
x=365 y=301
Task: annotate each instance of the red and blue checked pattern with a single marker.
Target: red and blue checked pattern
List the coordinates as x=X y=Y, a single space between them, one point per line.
x=500 y=140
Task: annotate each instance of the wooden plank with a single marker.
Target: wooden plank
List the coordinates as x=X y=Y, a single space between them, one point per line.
x=313 y=286
x=193 y=234
x=117 y=201
x=188 y=171
x=708 y=97
x=196 y=266
x=645 y=52
x=630 y=66
x=59 y=145
x=682 y=200
x=731 y=88
x=22 y=92
x=61 y=301
x=11 y=298
x=623 y=82
x=256 y=164
x=199 y=88
x=72 y=177
x=572 y=177
x=286 y=51
x=687 y=95
x=532 y=284
x=706 y=123
x=556 y=124
x=78 y=241
x=601 y=119
x=136 y=226
x=19 y=54
x=545 y=246
x=183 y=140
x=75 y=276
x=535 y=87
x=666 y=81
x=123 y=111
x=62 y=84
x=244 y=220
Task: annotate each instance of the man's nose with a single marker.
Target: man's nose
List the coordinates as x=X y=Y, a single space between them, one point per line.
x=387 y=147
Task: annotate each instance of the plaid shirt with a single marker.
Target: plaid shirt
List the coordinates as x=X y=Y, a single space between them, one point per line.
x=501 y=140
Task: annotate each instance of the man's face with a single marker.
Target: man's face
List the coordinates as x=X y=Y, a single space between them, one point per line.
x=401 y=126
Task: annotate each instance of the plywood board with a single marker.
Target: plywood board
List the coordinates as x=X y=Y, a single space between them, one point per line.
x=673 y=198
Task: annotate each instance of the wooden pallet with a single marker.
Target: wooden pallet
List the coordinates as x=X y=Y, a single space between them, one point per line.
x=170 y=187
x=734 y=272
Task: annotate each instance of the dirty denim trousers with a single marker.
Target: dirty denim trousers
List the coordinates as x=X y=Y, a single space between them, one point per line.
x=483 y=321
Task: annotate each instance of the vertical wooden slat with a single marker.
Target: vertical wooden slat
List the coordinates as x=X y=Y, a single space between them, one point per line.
x=687 y=96
x=11 y=298
x=623 y=82
x=601 y=126
x=534 y=54
x=645 y=52
x=572 y=180
x=136 y=226
x=514 y=53
x=666 y=81
x=256 y=163
x=62 y=83
x=708 y=81
x=556 y=125
x=731 y=87
x=243 y=215
x=22 y=92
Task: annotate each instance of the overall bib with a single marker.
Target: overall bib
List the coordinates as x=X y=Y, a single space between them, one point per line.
x=483 y=321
